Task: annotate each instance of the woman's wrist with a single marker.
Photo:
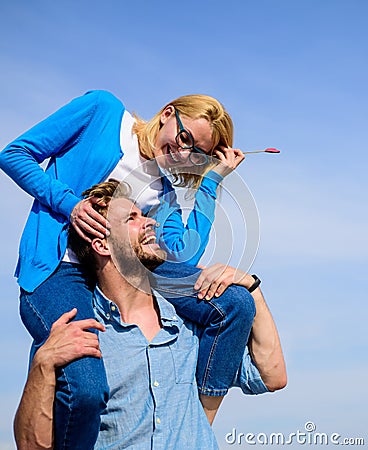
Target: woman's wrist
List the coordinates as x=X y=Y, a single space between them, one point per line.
x=255 y=284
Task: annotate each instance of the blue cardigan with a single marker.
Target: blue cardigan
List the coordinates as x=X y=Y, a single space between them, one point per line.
x=82 y=140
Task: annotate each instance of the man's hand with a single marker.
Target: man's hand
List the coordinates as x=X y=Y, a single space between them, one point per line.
x=87 y=221
x=69 y=341
x=264 y=342
x=213 y=280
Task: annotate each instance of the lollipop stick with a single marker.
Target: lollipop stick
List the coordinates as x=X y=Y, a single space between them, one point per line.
x=254 y=151
x=266 y=150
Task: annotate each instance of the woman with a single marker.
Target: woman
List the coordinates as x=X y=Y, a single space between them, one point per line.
x=88 y=141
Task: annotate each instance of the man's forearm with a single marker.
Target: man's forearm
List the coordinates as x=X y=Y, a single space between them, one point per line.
x=264 y=343
x=33 y=424
x=265 y=347
x=68 y=341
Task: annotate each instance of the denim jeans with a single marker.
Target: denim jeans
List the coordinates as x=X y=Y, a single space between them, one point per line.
x=82 y=390
x=81 y=386
x=226 y=322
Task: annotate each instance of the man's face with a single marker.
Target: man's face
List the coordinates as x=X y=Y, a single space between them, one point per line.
x=133 y=238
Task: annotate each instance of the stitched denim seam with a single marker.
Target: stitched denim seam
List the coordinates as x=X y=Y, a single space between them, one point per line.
x=69 y=407
x=213 y=392
x=30 y=304
x=213 y=347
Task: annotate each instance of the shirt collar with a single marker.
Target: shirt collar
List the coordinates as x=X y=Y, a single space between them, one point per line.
x=108 y=309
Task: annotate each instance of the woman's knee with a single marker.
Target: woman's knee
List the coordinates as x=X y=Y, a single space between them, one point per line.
x=236 y=302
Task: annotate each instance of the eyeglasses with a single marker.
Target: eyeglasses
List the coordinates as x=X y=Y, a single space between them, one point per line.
x=185 y=140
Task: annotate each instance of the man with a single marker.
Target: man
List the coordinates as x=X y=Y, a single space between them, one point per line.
x=150 y=353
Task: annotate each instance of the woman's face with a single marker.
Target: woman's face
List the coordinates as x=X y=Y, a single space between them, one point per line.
x=167 y=152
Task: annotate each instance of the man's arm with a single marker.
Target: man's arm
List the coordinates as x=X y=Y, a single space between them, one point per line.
x=33 y=423
x=265 y=347
x=264 y=343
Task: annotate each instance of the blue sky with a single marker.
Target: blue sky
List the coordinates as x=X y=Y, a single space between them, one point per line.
x=293 y=75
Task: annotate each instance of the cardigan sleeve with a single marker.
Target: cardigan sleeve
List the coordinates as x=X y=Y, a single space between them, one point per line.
x=50 y=138
x=187 y=243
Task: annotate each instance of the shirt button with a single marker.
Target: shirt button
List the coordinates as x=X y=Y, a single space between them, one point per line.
x=156 y=383
x=157 y=224
x=113 y=308
x=158 y=420
x=108 y=315
x=174 y=317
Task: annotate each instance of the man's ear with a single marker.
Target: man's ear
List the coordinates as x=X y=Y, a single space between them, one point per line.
x=101 y=247
x=167 y=113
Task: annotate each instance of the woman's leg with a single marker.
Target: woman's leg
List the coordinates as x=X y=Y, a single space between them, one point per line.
x=227 y=321
x=81 y=390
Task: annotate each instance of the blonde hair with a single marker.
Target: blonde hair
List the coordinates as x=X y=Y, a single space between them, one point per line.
x=196 y=106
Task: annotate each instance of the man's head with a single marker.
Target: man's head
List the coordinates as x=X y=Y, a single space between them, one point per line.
x=131 y=245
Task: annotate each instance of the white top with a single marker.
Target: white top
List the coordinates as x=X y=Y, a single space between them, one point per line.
x=142 y=175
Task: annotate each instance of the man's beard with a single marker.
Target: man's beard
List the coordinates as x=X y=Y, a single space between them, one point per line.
x=132 y=261
x=149 y=260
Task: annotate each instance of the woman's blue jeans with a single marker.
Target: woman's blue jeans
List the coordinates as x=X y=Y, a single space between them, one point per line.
x=81 y=386
x=226 y=321
x=82 y=390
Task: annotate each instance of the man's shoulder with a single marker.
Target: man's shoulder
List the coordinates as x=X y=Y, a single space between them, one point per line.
x=167 y=311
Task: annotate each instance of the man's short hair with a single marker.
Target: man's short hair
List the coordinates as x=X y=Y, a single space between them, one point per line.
x=105 y=192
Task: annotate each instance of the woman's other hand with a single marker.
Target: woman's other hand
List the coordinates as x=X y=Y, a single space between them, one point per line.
x=229 y=159
x=214 y=280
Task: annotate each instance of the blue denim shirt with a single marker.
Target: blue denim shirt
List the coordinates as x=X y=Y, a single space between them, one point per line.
x=154 y=401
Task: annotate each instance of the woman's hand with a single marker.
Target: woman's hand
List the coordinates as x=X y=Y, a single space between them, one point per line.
x=86 y=220
x=229 y=159
x=215 y=279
